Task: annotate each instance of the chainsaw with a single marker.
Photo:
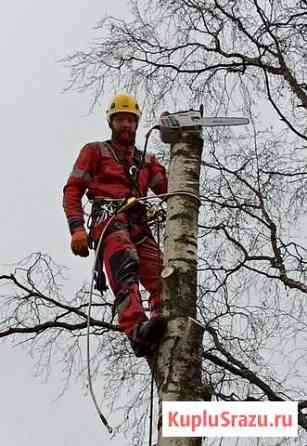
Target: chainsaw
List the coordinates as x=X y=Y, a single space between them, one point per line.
x=172 y=124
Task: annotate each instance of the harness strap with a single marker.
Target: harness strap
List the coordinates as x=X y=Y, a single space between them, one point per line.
x=131 y=172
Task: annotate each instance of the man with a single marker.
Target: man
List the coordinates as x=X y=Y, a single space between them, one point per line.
x=115 y=169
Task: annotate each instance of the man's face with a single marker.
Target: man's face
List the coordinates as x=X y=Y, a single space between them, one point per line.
x=124 y=127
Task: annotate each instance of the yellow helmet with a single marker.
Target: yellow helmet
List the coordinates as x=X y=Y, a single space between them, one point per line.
x=123 y=103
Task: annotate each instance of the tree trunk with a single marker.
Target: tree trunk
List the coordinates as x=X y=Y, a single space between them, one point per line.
x=178 y=368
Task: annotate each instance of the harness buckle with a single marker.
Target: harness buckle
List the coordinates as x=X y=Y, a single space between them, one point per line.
x=133 y=171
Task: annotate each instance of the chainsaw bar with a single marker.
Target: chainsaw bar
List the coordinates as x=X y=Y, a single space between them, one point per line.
x=193 y=118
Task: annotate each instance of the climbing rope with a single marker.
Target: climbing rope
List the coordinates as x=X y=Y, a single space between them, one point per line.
x=154 y=363
x=89 y=375
x=151 y=407
x=130 y=202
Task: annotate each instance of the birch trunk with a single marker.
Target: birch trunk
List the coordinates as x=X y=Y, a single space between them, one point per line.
x=178 y=368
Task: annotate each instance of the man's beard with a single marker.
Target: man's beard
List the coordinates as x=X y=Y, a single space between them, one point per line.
x=125 y=137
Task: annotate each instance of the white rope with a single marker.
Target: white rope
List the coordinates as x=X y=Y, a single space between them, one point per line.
x=129 y=203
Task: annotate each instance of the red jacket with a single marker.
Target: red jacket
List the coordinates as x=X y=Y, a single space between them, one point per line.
x=100 y=170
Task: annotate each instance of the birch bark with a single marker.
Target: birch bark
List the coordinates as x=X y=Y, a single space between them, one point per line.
x=178 y=366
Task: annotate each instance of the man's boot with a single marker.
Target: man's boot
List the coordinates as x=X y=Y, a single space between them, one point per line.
x=146 y=336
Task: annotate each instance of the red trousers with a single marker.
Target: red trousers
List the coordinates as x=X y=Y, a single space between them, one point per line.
x=132 y=256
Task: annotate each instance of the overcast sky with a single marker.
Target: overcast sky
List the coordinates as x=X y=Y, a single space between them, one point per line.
x=42 y=131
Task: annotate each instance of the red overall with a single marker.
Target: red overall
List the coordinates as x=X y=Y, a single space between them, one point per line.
x=129 y=252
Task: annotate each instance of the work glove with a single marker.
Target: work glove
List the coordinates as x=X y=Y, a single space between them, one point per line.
x=79 y=243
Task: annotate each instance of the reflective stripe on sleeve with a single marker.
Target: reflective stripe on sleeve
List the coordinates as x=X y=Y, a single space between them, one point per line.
x=78 y=173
